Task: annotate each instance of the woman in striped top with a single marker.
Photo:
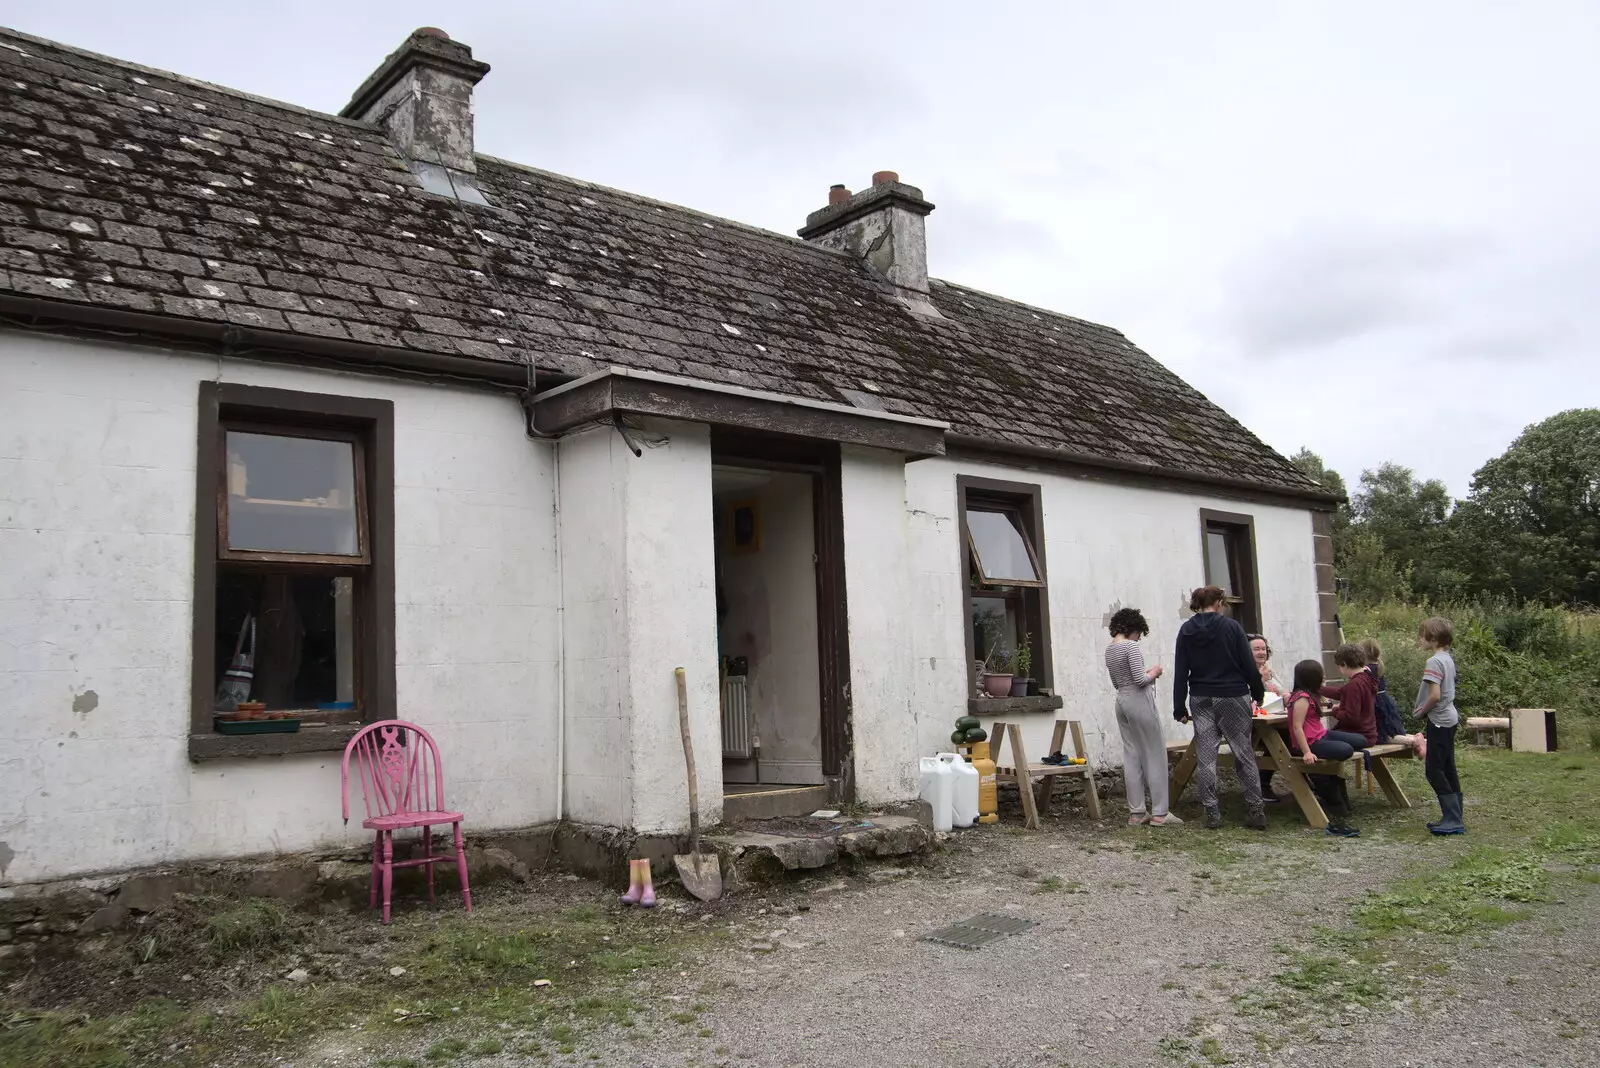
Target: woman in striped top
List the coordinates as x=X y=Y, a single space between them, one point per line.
x=1144 y=749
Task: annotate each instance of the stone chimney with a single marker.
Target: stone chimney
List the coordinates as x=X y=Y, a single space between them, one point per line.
x=883 y=226
x=422 y=95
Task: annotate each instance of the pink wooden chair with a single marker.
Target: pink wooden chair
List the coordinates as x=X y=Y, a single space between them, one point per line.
x=402 y=785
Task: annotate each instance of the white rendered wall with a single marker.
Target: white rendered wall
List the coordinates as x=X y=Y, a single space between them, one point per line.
x=885 y=674
x=1107 y=546
x=97 y=513
x=639 y=575
x=772 y=620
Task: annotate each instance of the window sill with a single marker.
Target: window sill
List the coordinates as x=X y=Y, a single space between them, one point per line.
x=1011 y=706
x=332 y=738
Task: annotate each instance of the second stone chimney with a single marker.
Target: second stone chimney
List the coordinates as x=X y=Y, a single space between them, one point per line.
x=882 y=226
x=422 y=95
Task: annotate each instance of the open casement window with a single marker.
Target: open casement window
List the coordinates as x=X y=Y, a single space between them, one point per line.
x=1228 y=545
x=1001 y=530
x=294 y=568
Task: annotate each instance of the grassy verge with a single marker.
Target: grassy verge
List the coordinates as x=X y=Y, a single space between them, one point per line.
x=1534 y=835
x=435 y=982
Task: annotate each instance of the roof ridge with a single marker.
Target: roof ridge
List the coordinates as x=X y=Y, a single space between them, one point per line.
x=986 y=295
x=788 y=239
x=656 y=202
x=198 y=83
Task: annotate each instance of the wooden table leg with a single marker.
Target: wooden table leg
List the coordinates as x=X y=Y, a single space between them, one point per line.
x=1030 y=810
x=1181 y=774
x=1289 y=768
x=1391 y=789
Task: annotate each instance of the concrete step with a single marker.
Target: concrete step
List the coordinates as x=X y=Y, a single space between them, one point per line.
x=738 y=807
x=885 y=836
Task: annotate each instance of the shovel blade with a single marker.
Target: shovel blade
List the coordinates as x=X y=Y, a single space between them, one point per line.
x=700 y=874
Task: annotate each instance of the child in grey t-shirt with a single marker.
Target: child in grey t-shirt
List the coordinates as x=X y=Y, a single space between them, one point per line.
x=1436 y=704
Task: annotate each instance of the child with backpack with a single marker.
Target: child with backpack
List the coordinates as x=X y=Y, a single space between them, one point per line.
x=1391 y=728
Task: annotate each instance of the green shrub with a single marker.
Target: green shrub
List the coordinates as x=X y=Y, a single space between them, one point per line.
x=1506 y=656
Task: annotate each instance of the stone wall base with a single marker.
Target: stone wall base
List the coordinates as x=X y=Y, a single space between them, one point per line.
x=86 y=906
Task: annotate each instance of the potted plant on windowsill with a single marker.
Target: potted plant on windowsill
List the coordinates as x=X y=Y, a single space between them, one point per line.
x=997 y=674
x=1021 y=665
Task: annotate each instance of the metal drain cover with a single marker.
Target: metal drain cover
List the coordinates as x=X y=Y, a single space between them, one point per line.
x=979 y=931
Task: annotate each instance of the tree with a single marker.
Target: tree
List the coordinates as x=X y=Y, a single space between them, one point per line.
x=1531 y=525
x=1408 y=520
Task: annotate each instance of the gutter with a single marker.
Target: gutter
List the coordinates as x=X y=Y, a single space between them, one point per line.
x=279 y=345
x=969 y=445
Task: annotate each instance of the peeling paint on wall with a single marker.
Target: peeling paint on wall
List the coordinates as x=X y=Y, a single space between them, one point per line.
x=7 y=855
x=86 y=702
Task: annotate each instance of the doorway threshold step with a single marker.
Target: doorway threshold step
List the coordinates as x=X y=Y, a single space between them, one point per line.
x=743 y=803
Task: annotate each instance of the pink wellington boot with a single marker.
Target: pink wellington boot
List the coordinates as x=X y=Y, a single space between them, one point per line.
x=647 y=898
x=635 y=885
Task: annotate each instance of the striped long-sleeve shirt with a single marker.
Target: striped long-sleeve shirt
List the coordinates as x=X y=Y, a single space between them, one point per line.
x=1125 y=662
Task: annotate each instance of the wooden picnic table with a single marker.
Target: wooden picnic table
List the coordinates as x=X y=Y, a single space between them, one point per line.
x=1272 y=754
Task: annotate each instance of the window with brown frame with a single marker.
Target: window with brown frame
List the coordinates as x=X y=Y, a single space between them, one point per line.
x=1228 y=545
x=1002 y=527
x=294 y=567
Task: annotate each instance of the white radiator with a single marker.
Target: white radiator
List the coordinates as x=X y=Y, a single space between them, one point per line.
x=736 y=727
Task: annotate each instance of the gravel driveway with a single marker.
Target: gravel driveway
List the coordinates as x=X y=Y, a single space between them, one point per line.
x=1140 y=955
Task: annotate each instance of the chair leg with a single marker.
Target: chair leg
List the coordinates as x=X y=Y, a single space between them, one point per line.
x=377 y=861
x=388 y=872
x=427 y=853
x=461 y=866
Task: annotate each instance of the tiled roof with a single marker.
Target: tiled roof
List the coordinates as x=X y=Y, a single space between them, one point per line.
x=138 y=190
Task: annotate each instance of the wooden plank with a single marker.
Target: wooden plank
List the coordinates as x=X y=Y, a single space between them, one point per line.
x=1391 y=789
x=1057 y=736
x=1182 y=774
x=1298 y=784
x=1030 y=811
x=1079 y=748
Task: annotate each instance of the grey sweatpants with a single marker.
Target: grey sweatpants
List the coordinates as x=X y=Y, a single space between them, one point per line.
x=1144 y=751
x=1229 y=718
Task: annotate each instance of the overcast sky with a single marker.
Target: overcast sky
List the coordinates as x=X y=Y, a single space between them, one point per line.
x=1368 y=228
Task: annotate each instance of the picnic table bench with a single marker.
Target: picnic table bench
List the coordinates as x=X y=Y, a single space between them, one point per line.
x=1272 y=754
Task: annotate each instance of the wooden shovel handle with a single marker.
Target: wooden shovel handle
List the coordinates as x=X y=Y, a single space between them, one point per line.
x=688 y=758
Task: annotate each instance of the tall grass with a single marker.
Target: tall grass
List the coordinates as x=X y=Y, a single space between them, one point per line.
x=1506 y=656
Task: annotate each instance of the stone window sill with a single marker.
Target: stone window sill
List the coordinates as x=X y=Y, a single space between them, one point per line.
x=1011 y=706
x=331 y=738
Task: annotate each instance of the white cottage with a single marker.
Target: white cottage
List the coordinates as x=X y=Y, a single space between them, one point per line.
x=449 y=438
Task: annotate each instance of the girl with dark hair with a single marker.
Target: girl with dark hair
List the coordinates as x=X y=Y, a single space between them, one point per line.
x=1214 y=680
x=1144 y=750
x=1310 y=741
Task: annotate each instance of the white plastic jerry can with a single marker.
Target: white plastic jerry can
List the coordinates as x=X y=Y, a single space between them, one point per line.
x=938 y=777
x=963 y=790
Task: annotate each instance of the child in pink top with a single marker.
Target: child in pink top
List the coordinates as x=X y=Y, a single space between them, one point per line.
x=1309 y=740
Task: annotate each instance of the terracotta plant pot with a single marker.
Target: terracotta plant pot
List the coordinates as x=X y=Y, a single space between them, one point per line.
x=1019 y=686
x=996 y=685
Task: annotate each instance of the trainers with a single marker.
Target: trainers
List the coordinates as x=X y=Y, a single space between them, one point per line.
x=1271 y=799
x=1213 y=819
x=1256 y=821
x=1340 y=830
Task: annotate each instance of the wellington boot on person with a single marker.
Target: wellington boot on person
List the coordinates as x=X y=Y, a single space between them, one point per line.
x=1450 y=823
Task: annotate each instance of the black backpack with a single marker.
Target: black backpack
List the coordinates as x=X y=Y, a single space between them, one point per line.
x=1388 y=714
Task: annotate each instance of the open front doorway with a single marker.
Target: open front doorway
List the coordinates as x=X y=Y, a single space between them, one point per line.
x=767 y=626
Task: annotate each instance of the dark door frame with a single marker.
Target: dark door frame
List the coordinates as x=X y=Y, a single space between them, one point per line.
x=821 y=459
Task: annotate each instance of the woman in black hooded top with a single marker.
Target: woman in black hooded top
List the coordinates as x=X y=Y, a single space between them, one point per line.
x=1215 y=682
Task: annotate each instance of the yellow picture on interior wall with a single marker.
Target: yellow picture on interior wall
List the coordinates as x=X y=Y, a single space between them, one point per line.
x=744 y=527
